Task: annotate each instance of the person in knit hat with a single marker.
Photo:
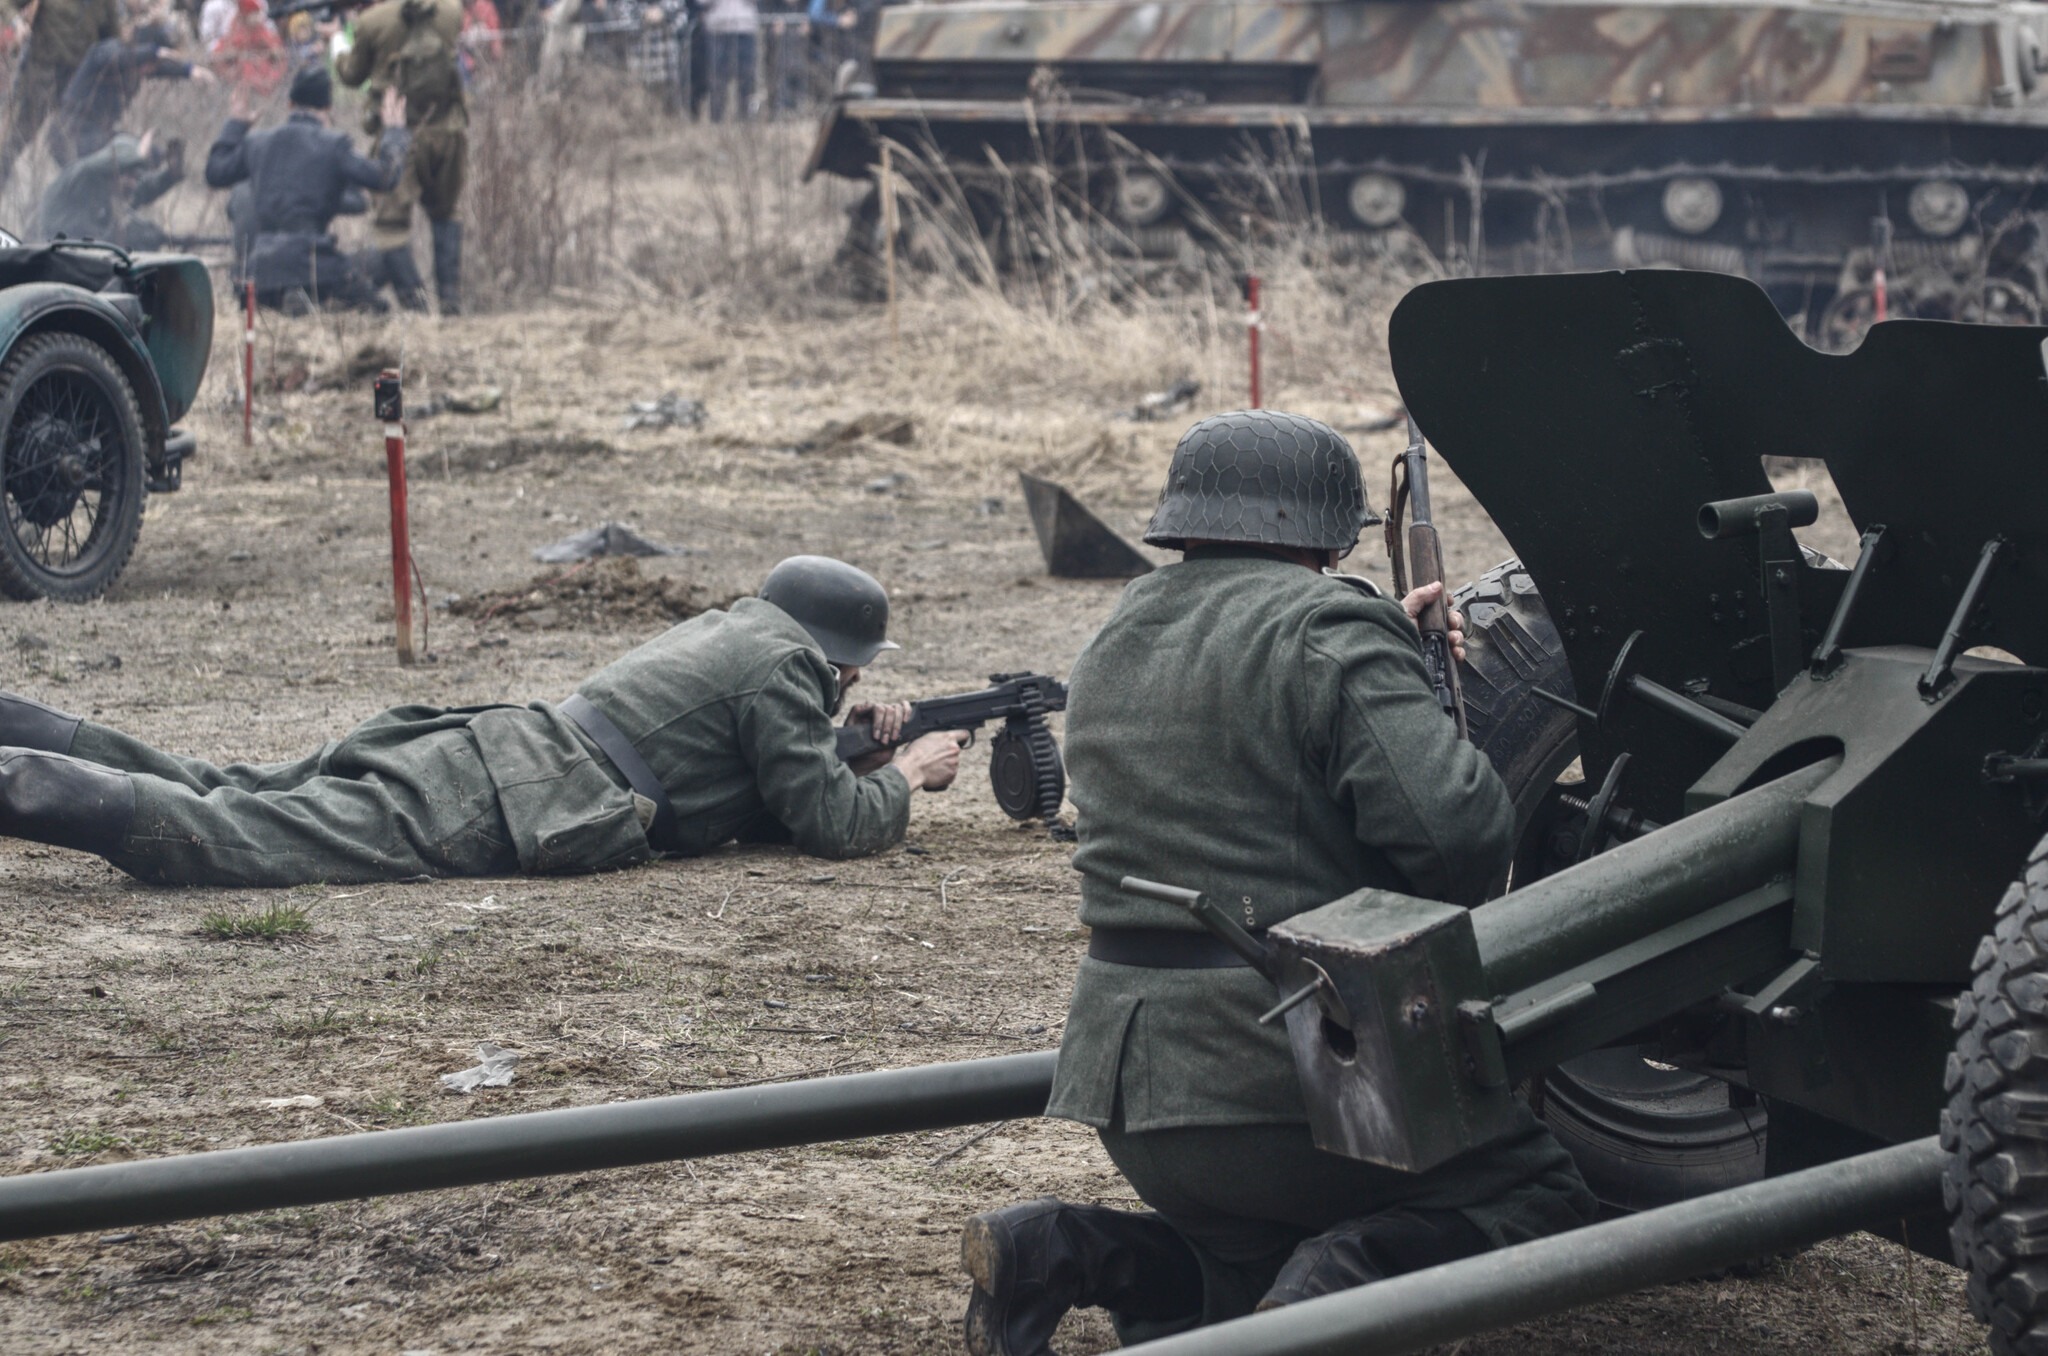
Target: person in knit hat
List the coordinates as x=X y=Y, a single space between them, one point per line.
x=300 y=175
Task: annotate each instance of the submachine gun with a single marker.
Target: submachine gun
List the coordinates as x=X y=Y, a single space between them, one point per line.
x=1024 y=765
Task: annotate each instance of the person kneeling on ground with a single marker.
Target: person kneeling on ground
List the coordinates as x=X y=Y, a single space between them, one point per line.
x=1340 y=771
x=718 y=729
x=300 y=175
x=100 y=196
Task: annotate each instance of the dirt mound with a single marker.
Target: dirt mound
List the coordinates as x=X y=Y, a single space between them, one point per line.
x=595 y=593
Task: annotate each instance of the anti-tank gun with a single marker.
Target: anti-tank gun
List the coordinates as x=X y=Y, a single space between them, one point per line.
x=1806 y=793
x=1786 y=875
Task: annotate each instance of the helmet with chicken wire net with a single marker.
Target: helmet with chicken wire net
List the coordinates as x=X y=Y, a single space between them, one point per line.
x=1262 y=477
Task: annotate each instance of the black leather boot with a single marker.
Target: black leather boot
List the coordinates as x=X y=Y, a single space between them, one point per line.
x=28 y=724
x=448 y=266
x=65 y=802
x=1033 y=1262
x=397 y=268
x=1360 y=1251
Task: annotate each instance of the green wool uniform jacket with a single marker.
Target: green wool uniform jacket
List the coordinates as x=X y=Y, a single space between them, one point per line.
x=1250 y=729
x=733 y=711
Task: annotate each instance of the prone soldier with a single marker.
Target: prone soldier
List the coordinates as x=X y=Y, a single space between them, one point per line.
x=1307 y=757
x=412 y=46
x=720 y=728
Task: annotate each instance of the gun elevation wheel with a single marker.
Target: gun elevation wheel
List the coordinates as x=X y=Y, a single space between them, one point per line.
x=1643 y=1134
x=1996 y=1125
x=71 y=469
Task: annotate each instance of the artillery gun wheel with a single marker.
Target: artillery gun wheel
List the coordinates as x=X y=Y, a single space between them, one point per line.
x=1643 y=1134
x=1996 y=1126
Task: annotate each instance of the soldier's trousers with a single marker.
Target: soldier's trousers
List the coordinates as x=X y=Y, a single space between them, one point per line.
x=436 y=166
x=396 y=798
x=1243 y=1196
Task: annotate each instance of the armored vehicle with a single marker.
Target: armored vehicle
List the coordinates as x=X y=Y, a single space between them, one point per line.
x=1802 y=143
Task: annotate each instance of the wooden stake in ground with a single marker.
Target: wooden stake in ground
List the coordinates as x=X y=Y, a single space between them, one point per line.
x=889 y=244
x=390 y=398
x=248 y=361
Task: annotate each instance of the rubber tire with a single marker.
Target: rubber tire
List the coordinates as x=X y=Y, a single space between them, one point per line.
x=38 y=356
x=1996 y=1182
x=1664 y=1140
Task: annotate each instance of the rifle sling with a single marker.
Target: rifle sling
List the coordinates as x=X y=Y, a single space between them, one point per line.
x=662 y=834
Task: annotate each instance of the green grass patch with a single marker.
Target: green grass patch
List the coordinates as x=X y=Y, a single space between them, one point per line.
x=328 y=1023
x=227 y=1313
x=95 y=1140
x=279 y=920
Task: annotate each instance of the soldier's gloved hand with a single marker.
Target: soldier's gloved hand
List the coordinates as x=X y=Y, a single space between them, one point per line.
x=932 y=762
x=1423 y=597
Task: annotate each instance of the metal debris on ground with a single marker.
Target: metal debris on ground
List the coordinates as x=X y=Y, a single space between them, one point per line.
x=671 y=411
x=606 y=539
x=991 y=505
x=1178 y=398
x=495 y=1070
x=896 y=482
x=899 y=430
x=305 y=1101
x=1076 y=543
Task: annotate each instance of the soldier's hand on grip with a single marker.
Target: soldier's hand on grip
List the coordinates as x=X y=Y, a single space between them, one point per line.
x=1421 y=598
x=932 y=762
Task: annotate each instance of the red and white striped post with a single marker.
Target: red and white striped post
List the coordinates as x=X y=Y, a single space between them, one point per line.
x=248 y=361
x=390 y=393
x=1254 y=322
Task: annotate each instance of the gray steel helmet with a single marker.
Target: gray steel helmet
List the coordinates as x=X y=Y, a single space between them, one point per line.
x=1263 y=477
x=843 y=608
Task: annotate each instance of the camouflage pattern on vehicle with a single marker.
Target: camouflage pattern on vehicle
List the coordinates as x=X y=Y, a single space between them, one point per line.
x=1802 y=144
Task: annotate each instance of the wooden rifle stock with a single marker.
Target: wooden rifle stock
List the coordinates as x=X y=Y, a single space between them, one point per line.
x=1425 y=566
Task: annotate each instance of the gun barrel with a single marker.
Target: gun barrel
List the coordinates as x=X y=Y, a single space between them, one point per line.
x=1645 y=885
x=1418 y=474
x=537 y=1144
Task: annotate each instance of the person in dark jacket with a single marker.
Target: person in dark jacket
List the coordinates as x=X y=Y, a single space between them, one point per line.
x=109 y=76
x=100 y=196
x=63 y=32
x=300 y=174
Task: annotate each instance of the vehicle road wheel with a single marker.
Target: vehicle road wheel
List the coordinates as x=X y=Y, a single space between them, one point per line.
x=1643 y=1134
x=1996 y=1126
x=71 y=469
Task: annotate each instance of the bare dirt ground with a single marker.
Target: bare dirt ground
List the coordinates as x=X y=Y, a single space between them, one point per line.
x=254 y=622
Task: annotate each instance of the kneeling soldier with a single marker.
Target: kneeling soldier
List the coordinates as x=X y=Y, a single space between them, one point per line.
x=1304 y=757
x=721 y=728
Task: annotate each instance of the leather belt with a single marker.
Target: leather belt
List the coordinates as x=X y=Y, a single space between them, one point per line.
x=1162 y=949
x=607 y=736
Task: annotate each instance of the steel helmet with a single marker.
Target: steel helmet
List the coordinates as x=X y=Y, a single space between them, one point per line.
x=843 y=608
x=1263 y=477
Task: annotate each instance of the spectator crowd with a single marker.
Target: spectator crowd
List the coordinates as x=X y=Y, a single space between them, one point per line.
x=72 y=68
